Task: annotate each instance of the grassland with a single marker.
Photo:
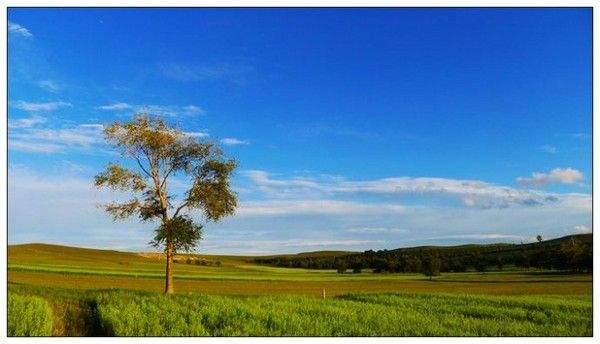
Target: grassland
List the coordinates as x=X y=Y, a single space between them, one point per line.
x=84 y=289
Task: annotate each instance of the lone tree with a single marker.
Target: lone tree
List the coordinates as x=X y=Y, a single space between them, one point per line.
x=157 y=153
x=539 y=238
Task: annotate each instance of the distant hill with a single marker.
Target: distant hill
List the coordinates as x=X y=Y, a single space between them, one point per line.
x=59 y=254
x=43 y=252
x=549 y=254
x=573 y=252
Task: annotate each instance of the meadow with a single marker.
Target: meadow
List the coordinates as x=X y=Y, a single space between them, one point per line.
x=96 y=292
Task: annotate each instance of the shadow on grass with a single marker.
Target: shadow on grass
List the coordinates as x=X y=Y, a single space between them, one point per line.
x=94 y=326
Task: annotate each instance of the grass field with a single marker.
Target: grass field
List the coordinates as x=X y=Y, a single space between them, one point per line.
x=84 y=289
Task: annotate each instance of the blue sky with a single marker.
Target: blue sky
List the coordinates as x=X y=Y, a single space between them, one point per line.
x=354 y=129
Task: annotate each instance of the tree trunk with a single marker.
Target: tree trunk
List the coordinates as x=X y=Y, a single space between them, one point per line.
x=169 y=275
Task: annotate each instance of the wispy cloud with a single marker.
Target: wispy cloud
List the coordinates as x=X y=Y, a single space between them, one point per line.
x=35 y=107
x=557 y=175
x=232 y=141
x=484 y=236
x=549 y=149
x=218 y=71
x=172 y=110
x=376 y=230
x=289 y=245
x=116 y=106
x=34 y=147
x=318 y=129
x=18 y=30
x=582 y=229
x=26 y=122
x=471 y=193
x=289 y=207
x=158 y=110
x=278 y=187
x=48 y=85
x=53 y=140
x=196 y=133
x=582 y=136
x=92 y=126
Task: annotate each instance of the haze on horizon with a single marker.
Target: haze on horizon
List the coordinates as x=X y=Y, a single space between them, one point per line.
x=354 y=129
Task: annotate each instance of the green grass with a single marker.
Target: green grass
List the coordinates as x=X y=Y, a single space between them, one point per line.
x=130 y=313
x=138 y=314
x=28 y=316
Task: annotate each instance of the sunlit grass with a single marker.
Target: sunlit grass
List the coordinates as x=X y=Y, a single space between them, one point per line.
x=28 y=316
x=135 y=314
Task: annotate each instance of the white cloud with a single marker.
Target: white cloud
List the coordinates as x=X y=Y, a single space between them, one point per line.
x=485 y=236
x=196 y=133
x=92 y=126
x=472 y=193
x=376 y=230
x=34 y=147
x=34 y=107
x=116 y=106
x=549 y=149
x=582 y=136
x=52 y=140
x=171 y=110
x=26 y=122
x=280 y=187
x=27 y=180
x=257 y=247
x=83 y=136
x=218 y=71
x=557 y=175
x=48 y=85
x=19 y=30
x=288 y=207
x=231 y=141
x=582 y=229
x=158 y=110
x=318 y=129
x=191 y=109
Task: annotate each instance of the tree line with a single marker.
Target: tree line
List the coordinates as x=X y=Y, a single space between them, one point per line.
x=571 y=253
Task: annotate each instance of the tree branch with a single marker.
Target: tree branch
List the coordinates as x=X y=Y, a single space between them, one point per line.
x=183 y=205
x=166 y=176
x=142 y=167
